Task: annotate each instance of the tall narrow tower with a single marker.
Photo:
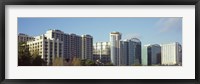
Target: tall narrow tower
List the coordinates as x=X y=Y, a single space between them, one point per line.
x=115 y=47
x=87 y=42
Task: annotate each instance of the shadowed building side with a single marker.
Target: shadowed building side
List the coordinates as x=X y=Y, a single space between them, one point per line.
x=131 y=52
x=87 y=48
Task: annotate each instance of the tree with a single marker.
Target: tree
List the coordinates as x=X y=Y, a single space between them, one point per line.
x=73 y=62
x=76 y=62
x=83 y=62
x=108 y=64
x=137 y=64
x=37 y=61
x=27 y=59
x=24 y=57
x=58 y=61
x=89 y=63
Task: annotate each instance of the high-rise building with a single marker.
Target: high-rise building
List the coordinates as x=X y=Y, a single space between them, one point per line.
x=66 y=46
x=115 y=38
x=145 y=55
x=124 y=53
x=55 y=43
x=60 y=35
x=87 y=48
x=131 y=52
x=24 y=38
x=101 y=51
x=56 y=34
x=72 y=43
x=75 y=46
x=151 y=55
x=171 y=54
x=47 y=48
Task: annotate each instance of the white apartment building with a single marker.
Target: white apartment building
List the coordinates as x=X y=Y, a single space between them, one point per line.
x=55 y=43
x=47 y=48
x=115 y=38
x=171 y=54
x=56 y=34
x=72 y=43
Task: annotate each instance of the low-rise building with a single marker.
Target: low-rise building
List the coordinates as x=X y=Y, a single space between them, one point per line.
x=24 y=37
x=101 y=51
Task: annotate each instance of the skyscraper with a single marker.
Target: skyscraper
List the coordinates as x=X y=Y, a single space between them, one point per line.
x=171 y=54
x=131 y=52
x=115 y=47
x=75 y=46
x=72 y=43
x=58 y=35
x=145 y=55
x=124 y=53
x=87 y=47
x=151 y=55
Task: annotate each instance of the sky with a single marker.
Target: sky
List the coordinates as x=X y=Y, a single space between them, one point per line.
x=155 y=30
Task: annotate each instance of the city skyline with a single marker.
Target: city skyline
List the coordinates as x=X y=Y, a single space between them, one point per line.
x=96 y=42
x=148 y=30
x=55 y=47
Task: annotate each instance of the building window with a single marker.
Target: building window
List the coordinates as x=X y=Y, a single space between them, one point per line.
x=52 y=35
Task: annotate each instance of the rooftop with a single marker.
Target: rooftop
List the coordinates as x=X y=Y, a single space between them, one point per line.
x=115 y=32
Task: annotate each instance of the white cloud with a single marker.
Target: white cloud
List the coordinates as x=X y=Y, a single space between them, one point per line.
x=168 y=24
x=131 y=35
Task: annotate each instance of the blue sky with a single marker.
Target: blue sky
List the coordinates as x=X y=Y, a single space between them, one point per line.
x=148 y=30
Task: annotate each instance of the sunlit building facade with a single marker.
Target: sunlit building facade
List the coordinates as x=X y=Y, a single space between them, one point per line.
x=145 y=55
x=171 y=54
x=72 y=43
x=47 y=48
x=55 y=43
x=115 y=38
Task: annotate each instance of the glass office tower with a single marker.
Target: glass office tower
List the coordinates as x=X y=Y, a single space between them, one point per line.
x=131 y=52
